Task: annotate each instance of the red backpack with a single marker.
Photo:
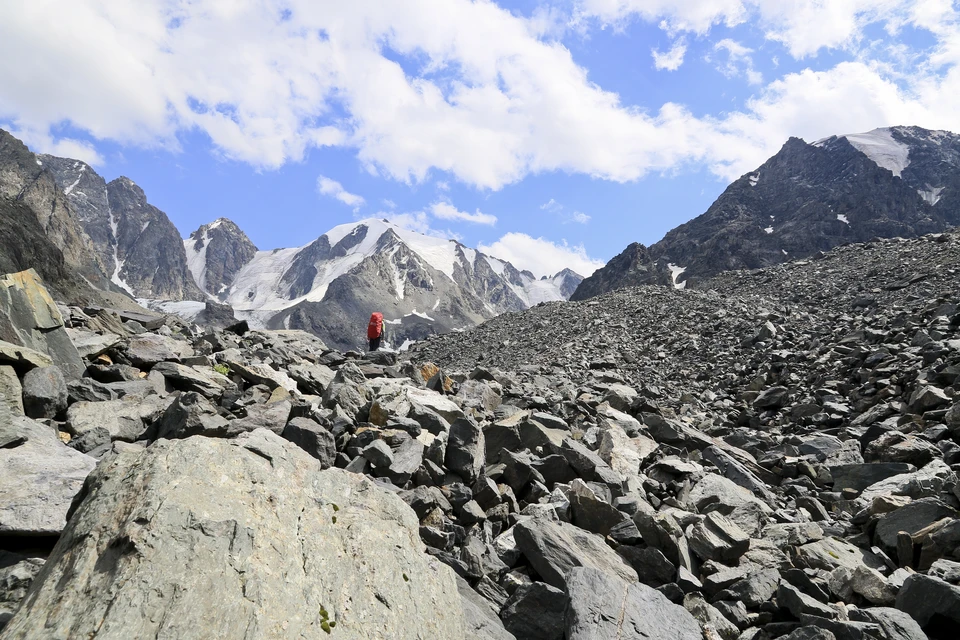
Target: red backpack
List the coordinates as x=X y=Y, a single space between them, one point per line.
x=375 y=328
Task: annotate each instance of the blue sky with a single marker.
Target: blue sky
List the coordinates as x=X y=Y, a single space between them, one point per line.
x=549 y=133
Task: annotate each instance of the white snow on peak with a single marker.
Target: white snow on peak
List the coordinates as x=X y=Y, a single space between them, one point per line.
x=469 y=254
x=675 y=272
x=768 y=229
x=754 y=179
x=40 y=164
x=439 y=253
x=931 y=194
x=497 y=265
x=421 y=314
x=842 y=218
x=197 y=259
x=879 y=146
x=784 y=251
x=216 y=223
x=75 y=182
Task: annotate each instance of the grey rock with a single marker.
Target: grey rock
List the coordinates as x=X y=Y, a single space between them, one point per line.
x=11 y=391
x=604 y=606
x=44 y=392
x=481 y=620
x=717 y=538
x=123 y=419
x=861 y=476
x=592 y=513
x=650 y=564
x=553 y=548
x=772 y=398
x=16 y=573
x=146 y=350
x=312 y=438
x=191 y=414
x=535 y=611
x=184 y=378
x=465 y=449
x=211 y=501
x=755 y=589
x=378 y=453
x=38 y=480
x=830 y=553
x=912 y=518
x=709 y=617
x=946 y=570
x=799 y=603
x=895 y=624
x=930 y=600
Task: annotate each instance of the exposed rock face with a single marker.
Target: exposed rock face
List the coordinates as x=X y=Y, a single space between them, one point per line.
x=258 y=541
x=897 y=182
x=631 y=268
x=215 y=254
x=139 y=246
x=40 y=229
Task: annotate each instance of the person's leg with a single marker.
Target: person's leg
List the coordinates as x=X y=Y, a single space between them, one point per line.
x=374 y=344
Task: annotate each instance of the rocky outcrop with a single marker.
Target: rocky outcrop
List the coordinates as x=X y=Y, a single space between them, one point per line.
x=633 y=267
x=237 y=559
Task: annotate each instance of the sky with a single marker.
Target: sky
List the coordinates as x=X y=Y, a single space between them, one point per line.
x=550 y=133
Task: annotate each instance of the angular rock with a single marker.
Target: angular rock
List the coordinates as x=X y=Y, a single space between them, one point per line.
x=606 y=607
x=312 y=438
x=912 y=518
x=465 y=450
x=191 y=414
x=931 y=602
x=717 y=538
x=535 y=611
x=338 y=550
x=38 y=480
x=553 y=548
x=44 y=392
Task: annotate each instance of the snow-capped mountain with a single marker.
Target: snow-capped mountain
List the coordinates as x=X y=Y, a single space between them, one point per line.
x=422 y=284
x=898 y=181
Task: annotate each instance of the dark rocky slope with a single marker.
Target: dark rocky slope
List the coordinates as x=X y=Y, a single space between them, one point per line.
x=807 y=198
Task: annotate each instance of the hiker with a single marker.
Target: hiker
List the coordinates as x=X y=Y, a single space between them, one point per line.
x=375 y=330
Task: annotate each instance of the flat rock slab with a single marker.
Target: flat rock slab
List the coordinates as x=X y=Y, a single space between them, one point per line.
x=38 y=480
x=243 y=538
x=605 y=607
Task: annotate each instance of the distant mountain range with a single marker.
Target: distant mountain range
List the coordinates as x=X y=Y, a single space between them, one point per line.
x=106 y=237
x=105 y=243
x=899 y=181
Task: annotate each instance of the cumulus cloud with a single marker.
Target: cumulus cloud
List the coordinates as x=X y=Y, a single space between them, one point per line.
x=446 y=211
x=540 y=256
x=329 y=187
x=489 y=99
x=672 y=59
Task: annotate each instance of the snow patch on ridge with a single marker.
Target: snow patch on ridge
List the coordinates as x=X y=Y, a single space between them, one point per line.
x=931 y=195
x=197 y=259
x=842 y=218
x=879 y=146
x=675 y=272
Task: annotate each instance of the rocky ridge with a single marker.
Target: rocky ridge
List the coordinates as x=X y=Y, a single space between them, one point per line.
x=896 y=182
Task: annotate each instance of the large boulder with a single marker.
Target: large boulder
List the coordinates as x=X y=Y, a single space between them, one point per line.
x=243 y=538
x=554 y=548
x=30 y=318
x=606 y=607
x=44 y=392
x=39 y=478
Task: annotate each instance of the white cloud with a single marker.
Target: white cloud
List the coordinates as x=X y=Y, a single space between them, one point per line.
x=418 y=221
x=446 y=211
x=736 y=61
x=552 y=206
x=389 y=204
x=672 y=59
x=580 y=218
x=489 y=99
x=329 y=187
x=43 y=142
x=443 y=185
x=540 y=256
